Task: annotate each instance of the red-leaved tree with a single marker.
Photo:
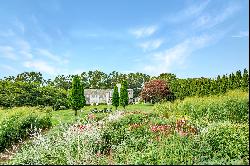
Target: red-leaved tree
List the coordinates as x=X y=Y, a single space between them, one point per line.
x=155 y=90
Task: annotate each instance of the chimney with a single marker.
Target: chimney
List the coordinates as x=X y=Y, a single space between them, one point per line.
x=119 y=87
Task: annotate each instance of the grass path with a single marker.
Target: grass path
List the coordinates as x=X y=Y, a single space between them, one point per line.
x=67 y=116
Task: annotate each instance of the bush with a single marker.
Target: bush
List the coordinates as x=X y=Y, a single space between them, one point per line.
x=19 y=124
x=233 y=106
x=31 y=94
x=155 y=91
x=225 y=140
x=63 y=145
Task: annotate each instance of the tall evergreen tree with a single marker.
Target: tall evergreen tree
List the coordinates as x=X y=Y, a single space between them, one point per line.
x=245 y=78
x=238 y=79
x=76 y=95
x=124 y=94
x=115 y=97
x=233 y=85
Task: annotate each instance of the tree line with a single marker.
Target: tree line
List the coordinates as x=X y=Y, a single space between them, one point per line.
x=31 y=89
x=181 y=88
x=90 y=80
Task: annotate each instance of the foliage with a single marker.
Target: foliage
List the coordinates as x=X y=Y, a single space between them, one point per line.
x=76 y=95
x=115 y=97
x=31 y=89
x=232 y=106
x=182 y=88
x=225 y=139
x=154 y=91
x=124 y=94
x=144 y=136
x=31 y=94
x=18 y=124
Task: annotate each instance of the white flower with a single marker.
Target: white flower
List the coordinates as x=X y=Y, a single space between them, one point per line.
x=115 y=116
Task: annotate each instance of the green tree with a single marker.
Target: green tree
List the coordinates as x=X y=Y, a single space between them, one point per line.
x=115 y=97
x=76 y=95
x=30 y=77
x=245 y=79
x=62 y=81
x=124 y=94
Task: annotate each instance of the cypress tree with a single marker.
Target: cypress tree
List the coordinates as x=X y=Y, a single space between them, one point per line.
x=115 y=97
x=124 y=94
x=233 y=85
x=76 y=95
x=245 y=79
x=238 y=78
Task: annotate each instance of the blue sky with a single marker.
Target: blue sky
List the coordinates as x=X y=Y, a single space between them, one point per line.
x=184 y=37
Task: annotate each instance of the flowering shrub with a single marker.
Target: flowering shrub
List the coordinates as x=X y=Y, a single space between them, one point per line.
x=161 y=128
x=183 y=128
x=155 y=90
x=91 y=116
x=134 y=126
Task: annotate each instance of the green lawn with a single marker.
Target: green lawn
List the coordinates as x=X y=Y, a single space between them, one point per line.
x=68 y=116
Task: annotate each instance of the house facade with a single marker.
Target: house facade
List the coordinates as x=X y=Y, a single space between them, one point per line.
x=97 y=96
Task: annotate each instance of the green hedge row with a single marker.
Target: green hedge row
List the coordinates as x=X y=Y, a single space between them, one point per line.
x=182 y=88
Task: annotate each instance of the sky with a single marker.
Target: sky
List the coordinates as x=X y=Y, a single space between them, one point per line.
x=190 y=38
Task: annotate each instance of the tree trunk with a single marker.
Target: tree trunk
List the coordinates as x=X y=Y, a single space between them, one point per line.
x=75 y=112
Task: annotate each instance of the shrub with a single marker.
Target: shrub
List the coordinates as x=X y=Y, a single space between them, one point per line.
x=19 y=124
x=155 y=90
x=233 y=106
x=30 y=94
x=115 y=97
x=76 y=95
x=225 y=140
x=124 y=94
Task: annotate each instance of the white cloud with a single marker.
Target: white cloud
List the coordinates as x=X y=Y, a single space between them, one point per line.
x=21 y=47
x=144 y=31
x=210 y=20
x=42 y=66
x=163 y=61
x=151 y=44
x=189 y=12
x=242 y=34
x=24 y=48
x=8 y=68
x=8 y=52
x=52 y=56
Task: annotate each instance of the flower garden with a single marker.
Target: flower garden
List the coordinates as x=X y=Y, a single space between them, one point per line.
x=207 y=130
